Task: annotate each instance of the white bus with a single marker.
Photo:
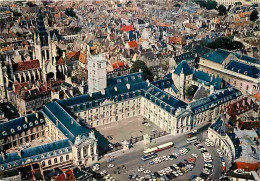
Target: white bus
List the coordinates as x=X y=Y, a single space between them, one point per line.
x=165 y=146
x=192 y=139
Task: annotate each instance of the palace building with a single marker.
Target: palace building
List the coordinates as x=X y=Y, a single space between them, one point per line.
x=66 y=125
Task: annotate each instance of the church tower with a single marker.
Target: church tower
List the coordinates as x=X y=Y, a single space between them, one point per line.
x=97 y=74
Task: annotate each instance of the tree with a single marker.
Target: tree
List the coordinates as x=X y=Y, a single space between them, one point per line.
x=225 y=43
x=222 y=10
x=211 y=5
x=137 y=65
x=238 y=3
x=254 y=15
x=191 y=91
x=177 y=5
x=70 y=12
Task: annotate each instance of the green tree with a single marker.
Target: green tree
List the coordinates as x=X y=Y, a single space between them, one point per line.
x=70 y=12
x=191 y=91
x=222 y=10
x=254 y=15
x=238 y=3
x=225 y=43
x=177 y=5
x=137 y=65
x=211 y=5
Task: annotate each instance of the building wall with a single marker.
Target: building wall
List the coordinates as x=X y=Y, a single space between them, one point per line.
x=243 y=83
x=138 y=106
x=60 y=161
x=52 y=132
x=232 y=2
x=27 y=136
x=224 y=143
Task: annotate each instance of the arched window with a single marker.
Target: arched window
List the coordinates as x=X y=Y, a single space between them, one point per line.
x=61 y=159
x=49 y=162
x=67 y=157
x=43 y=163
x=55 y=160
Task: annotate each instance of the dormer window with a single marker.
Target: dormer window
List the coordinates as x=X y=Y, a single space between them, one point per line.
x=19 y=128
x=24 y=126
x=36 y=122
x=42 y=156
x=41 y=120
x=12 y=130
x=2 y=167
x=30 y=124
x=4 y=133
x=60 y=151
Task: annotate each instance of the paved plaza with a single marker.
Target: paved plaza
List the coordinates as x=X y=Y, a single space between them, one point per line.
x=123 y=130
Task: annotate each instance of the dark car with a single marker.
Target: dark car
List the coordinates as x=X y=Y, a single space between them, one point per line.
x=180 y=164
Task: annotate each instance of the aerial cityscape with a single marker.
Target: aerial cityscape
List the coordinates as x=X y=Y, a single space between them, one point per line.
x=117 y=90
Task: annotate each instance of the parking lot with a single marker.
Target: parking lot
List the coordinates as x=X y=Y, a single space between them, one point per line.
x=128 y=164
x=127 y=128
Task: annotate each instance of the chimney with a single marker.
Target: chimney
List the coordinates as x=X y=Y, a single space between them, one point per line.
x=103 y=92
x=148 y=82
x=115 y=88
x=90 y=94
x=128 y=86
x=3 y=155
x=19 y=152
x=26 y=119
x=244 y=101
x=57 y=122
x=37 y=115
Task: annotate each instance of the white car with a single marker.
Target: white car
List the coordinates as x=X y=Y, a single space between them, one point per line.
x=194 y=155
x=103 y=172
x=110 y=165
x=147 y=171
x=140 y=169
x=175 y=173
x=179 y=172
x=194 y=131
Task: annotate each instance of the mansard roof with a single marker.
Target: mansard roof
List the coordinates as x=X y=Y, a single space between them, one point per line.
x=126 y=79
x=65 y=121
x=20 y=124
x=243 y=68
x=35 y=154
x=218 y=56
x=207 y=79
x=214 y=100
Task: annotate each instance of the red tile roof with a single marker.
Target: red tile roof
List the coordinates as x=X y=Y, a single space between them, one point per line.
x=119 y=64
x=26 y=65
x=73 y=55
x=61 y=61
x=132 y=44
x=83 y=58
x=127 y=28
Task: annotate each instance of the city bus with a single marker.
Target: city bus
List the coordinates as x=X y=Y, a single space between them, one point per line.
x=149 y=153
x=192 y=139
x=165 y=146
